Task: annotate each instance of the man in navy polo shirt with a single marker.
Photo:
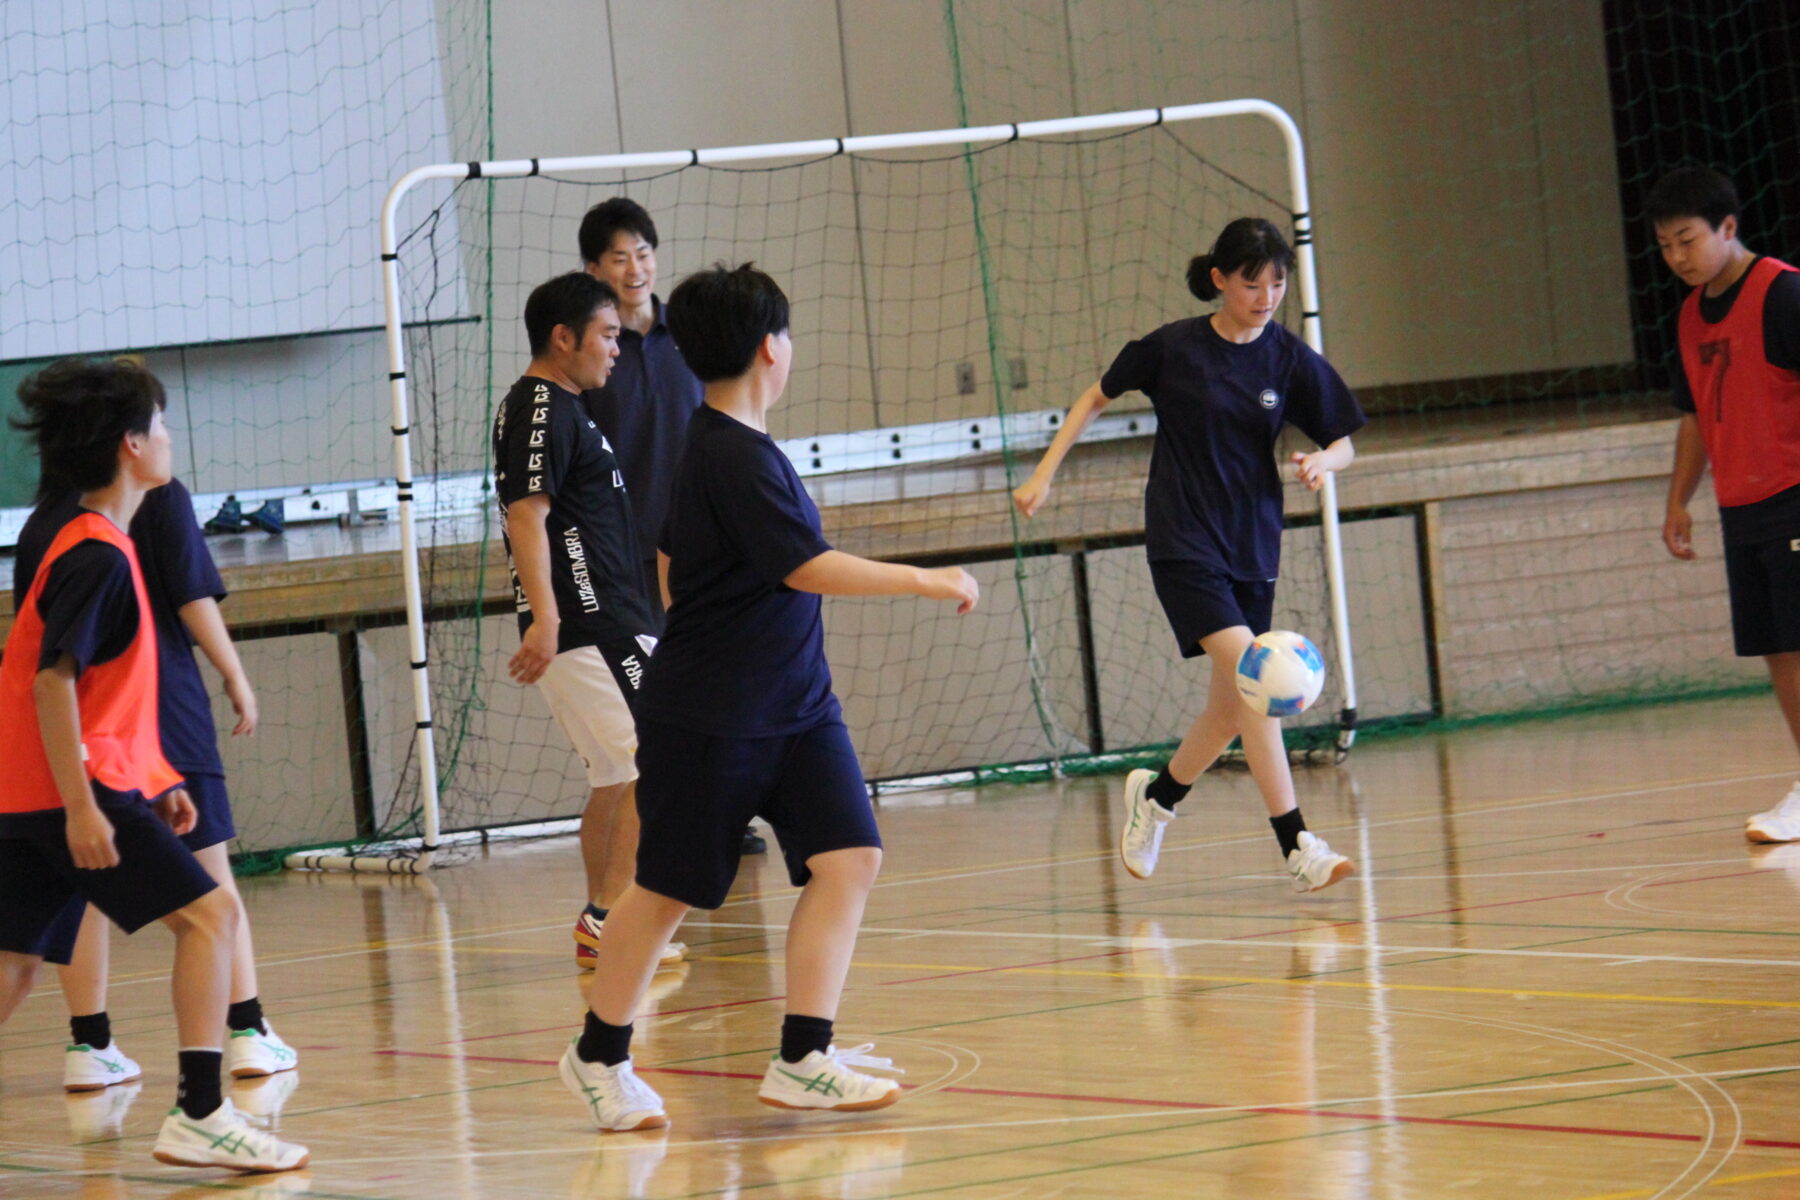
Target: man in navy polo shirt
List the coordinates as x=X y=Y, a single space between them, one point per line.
x=646 y=401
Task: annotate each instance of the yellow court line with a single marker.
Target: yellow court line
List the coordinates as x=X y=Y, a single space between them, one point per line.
x=1363 y=985
x=1640 y=1193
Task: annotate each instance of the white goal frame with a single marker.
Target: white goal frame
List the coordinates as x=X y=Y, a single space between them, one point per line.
x=415 y=855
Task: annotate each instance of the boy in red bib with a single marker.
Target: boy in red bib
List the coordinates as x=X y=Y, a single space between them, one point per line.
x=91 y=807
x=1739 y=392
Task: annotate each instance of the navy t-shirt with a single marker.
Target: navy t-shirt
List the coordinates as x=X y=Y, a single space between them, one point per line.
x=1774 y=516
x=743 y=654
x=644 y=409
x=546 y=444
x=178 y=569
x=1214 y=493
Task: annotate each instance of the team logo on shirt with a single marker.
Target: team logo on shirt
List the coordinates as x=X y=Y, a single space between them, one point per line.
x=1269 y=398
x=537 y=437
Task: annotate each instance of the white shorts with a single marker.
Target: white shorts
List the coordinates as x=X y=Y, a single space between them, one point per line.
x=586 y=697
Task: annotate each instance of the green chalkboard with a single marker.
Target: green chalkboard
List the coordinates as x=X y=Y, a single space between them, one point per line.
x=18 y=462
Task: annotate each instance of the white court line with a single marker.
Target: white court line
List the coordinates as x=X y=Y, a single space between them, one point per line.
x=1173 y=943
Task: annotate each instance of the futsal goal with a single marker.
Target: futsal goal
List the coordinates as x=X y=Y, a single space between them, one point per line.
x=953 y=292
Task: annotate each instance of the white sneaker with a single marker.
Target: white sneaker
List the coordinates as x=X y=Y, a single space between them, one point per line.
x=249 y=1053
x=222 y=1139
x=86 y=1069
x=100 y=1114
x=826 y=1080
x=587 y=941
x=1145 y=822
x=1779 y=824
x=617 y=1099
x=1315 y=865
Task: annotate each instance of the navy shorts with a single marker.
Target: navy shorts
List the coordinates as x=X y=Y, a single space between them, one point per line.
x=1200 y=601
x=696 y=793
x=40 y=885
x=1764 y=578
x=212 y=807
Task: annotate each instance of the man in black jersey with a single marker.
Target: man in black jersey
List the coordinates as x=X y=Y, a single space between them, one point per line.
x=585 y=628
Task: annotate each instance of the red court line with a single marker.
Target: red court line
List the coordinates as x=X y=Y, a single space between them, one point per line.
x=1192 y=1105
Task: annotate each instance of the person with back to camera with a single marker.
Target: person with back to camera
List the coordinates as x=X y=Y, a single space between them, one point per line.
x=1222 y=386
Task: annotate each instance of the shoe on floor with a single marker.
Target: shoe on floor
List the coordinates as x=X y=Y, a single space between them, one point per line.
x=249 y=1053
x=616 y=1099
x=223 y=1139
x=754 y=842
x=828 y=1080
x=587 y=940
x=271 y=517
x=1140 y=841
x=1779 y=824
x=86 y=1069
x=1315 y=865
x=229 y=519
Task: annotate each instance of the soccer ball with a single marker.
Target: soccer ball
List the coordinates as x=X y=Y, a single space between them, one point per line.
x=1280 y=674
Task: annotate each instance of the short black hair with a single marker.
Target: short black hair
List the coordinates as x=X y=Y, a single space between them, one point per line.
x=77 y=410
x=719 y=317
x=570 y=300
x=1691 y=191
x=1245 y=247
x=607 y=219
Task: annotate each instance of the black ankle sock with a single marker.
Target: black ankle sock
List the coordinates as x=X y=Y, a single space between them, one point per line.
x=94 y=1030
x=198 y=1093
x=246 y=1014
x=608 y=1045
x=596 y=912
x=1288 y=828
x=1166 y=791
x=800 y=1036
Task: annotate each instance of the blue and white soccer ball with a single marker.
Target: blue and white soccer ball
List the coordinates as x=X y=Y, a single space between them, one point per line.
x=1280 y=674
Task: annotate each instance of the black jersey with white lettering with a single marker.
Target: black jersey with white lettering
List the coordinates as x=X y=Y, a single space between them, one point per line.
x=545 y=444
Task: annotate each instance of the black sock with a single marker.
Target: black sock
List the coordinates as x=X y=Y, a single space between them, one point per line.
x=608 y=1045
x=94 y=1030
x=800 y=1036
x=1288 y=828
x=246 y=1014
x=198 y=1093
x=1166 y=791
x=596 y=912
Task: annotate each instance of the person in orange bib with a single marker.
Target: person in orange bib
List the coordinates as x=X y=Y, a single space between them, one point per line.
x=92 y=808
x=1738 y=391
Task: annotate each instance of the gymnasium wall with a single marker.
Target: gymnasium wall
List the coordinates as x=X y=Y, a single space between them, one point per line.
x=1458 y=155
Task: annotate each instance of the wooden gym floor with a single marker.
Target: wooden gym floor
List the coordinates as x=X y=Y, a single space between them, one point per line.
x=1561 y=972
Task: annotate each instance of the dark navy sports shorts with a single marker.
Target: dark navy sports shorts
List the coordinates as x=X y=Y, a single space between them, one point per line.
x=1200 y=601
x=41 y=887
x=212 y=806
x=696 y=793
x=1764 y=579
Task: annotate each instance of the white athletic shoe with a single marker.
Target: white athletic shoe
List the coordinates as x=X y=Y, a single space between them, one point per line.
x=617 y=1100
x=249 y=1053
x=1779 y=824
x=587 y=940
x=1315 y=865
x=100 y=1114
x=1145 y=822
x=829 y=1081
x=222 y=1139
x=86 y=1069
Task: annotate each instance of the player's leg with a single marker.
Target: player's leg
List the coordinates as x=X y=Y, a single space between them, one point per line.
x=92 y=1060
x=1764 y=581
x=822 y=814
x=18 y=975
x=40 y=912
x=608 y=842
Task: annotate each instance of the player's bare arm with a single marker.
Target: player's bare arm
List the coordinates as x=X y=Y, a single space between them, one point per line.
x=1310 y=468
x=525 y=528
x=207 y=625
x=1029 y=496
x=835 y=573
x=1684 y=480
x=90 y=834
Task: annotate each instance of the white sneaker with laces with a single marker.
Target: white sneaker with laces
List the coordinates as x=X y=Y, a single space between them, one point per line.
x=1315 y=865
x=587 y=940
x=829 y=1080
x=86 y=1069
x=1779 y=824
x=222 y=1139
x=249 y=1053
x=617 y=1100
x=1140 y=841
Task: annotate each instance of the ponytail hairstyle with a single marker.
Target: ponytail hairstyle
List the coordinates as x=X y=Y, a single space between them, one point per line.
x=1245 y=247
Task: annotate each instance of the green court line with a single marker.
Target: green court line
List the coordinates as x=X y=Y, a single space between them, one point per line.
x=1482 y=1112
x=1735 y=1049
